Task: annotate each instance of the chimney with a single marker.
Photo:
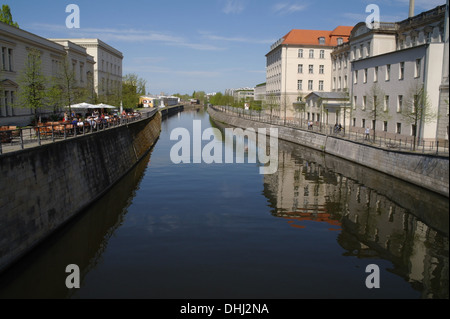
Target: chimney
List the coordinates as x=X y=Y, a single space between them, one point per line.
x=411 y=8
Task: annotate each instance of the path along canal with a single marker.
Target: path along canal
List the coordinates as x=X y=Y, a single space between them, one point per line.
x=189 y=231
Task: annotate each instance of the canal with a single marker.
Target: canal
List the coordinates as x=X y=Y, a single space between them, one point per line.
x=218 y=231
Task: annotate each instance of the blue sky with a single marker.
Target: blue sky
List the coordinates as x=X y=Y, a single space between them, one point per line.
x=203 y=45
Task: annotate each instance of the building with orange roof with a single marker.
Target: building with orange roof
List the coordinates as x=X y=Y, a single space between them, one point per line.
x=300 y=63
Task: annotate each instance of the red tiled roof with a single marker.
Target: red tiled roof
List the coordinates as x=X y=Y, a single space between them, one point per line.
x=311 y=37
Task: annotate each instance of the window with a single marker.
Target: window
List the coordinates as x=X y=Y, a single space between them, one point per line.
x=361 y=51
x=10 y=63
x=310 y=85
x=385 y=126
x=321 y=69
x=300 y=85
x=4 y=50
x=321 y=40
x=7 y=62
x=388 y=72
x=300 y=53
x=311 y=69
x=399 y=128
x=322 y=54
x=364 y=102
x=311 y=54
x=334 y=83
x=300 y=68
x=356 y=77
x=340 y=83
x=413 y=41
x=355 y=102
x=320 y=85
x=365 y=75
x=368 y=49
x=399 y=103
x=401 y=74
x=418 y=68
x=375 y=74
x=386 y=103
x=340 y=41
x=345 y=81
x=354 y=122
x=363 y=123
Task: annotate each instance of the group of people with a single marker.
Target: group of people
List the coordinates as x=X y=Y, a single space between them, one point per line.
x=337 y=128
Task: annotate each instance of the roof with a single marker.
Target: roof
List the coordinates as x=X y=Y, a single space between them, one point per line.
x=329 y=95
x=311 y=37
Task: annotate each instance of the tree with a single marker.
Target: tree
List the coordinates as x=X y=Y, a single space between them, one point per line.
x=132 y=88
x=64 y=90
x=417 y=110
x=272 y=104
x=32 y=93
x=375 y=103
x=6 y=16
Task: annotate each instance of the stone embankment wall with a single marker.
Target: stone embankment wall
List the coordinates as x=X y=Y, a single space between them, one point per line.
x=43 y=188
x=427 y=171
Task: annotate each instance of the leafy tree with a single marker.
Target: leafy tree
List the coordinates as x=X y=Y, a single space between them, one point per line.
x=132 y=88
x=32 y=93
x=418 y=109
x=6 y=16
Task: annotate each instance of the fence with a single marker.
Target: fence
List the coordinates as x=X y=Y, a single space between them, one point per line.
x=385 y=140
x=15 y=139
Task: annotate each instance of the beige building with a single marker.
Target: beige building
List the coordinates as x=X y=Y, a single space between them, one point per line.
x=15 y=44
x=107 y=68
x=300 y=63
x=94 y=63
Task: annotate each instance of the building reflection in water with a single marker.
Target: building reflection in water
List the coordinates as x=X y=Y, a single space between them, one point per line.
x=377 y=216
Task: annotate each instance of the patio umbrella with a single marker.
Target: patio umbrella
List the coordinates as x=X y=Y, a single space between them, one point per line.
x=105 y=106
x=82 y=106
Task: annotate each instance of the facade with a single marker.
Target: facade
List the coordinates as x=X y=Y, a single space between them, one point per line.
x=107 y=68
x=260 y=92
x=384 y=69
x=300 y=63
x=15 y=44
x=91 y=60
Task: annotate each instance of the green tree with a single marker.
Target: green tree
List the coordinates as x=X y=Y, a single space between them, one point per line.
x=132 y=88
x=417 y=111
x=32 y=92
x=6 y=16
x=375 y=101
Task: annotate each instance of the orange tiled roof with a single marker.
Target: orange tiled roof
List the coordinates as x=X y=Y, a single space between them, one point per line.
x=311 y=37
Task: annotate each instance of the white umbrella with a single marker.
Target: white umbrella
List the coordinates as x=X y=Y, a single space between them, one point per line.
x=81 y=106
x=105 y=106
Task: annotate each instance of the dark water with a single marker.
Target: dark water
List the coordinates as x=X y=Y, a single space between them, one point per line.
x=218 y=231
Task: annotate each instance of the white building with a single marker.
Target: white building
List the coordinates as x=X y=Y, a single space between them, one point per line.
x=15 y=44
x=300 y=63
x=395 y=60
x=107 y=68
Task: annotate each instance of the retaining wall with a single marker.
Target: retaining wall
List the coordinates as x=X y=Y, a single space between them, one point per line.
x=428 y=171
x=43 y=188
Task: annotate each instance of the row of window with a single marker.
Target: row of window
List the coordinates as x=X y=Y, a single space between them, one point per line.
x=386 y=103
x=388 y=71
x=312 y=53
x=311 y=69
x=310 y=85
x=6 y=102
x=398 y=126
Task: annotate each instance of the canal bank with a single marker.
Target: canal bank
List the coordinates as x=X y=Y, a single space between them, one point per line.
x=427 y=171
x=44 y=187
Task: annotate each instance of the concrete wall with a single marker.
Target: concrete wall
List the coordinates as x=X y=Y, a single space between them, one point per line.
x=43 y=188
x=430 y=172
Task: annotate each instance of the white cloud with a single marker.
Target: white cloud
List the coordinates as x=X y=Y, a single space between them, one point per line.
x=288 y=8
x=213 y=37
x=124 y=35
x=234 y=7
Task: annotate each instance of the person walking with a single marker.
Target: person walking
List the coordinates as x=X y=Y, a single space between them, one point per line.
x=367 y=137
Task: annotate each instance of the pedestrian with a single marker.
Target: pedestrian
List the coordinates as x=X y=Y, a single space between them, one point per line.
x=367 y=134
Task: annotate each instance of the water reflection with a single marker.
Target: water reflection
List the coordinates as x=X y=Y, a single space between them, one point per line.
x=410 y=231
x=41 y=274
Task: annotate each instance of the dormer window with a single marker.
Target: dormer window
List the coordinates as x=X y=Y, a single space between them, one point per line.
x=321 y=40
x=340 y=41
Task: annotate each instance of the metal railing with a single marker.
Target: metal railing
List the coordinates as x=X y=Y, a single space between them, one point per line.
x=384 y=140
x=16 y=139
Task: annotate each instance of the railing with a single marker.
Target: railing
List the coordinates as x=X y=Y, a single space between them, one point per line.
x=384 y=140
x=15 y=139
